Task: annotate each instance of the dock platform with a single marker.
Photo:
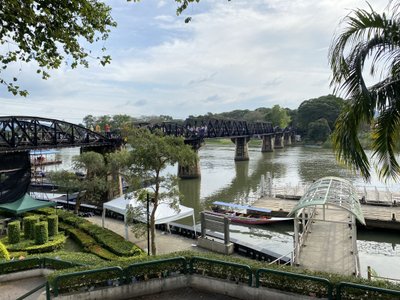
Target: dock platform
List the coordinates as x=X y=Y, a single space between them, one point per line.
x=379 y=217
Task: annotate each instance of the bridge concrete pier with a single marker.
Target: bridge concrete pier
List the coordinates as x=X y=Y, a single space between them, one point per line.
x=242 y=150
x=278 y=141
x=192 y=171
x=287 y=139
x=268 y=142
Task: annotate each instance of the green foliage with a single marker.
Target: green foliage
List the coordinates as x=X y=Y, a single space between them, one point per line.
x=41 y=233
x=325 y=107
x=27 y=246
x=50 y=34
x=14 y=232
x=94 y=238
x=150 y=154
x=367 y=42
x=220 y=267
x=278 y=116
x=52 y=221
x=318 y=131
x=20 y=265
x=29 y=223
x=4 y=255
x=81 y=258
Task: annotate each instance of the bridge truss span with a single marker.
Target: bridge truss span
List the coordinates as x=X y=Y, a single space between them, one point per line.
x=22 y=133
x=216 y=128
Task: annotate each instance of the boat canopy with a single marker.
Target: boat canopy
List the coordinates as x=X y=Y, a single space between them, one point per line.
x=43 y=152
x=238 y=206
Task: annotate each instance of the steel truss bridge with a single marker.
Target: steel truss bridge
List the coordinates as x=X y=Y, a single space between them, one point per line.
x=22 y=133
x=214 y=128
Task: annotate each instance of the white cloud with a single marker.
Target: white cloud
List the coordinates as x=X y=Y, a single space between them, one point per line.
x=239 y=54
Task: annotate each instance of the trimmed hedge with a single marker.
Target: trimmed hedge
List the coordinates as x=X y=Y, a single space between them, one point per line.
x=28 y=246
x=4 y=255
x=29 y=223
x=41 y=233
x=53 y=225
x=14 y=232
x=106 y=238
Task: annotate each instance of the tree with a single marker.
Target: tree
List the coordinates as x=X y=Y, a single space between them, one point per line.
x=318 y=131
x=278 y=116
x=149 y=156
x=92 y=187
x=50 y=33
x=325 y=107
x=369 y=40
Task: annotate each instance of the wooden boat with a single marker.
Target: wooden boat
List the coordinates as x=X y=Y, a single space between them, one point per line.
x=250 y=215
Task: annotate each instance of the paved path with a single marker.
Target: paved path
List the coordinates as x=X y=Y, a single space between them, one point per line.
x=328 y=246
x=11 y=290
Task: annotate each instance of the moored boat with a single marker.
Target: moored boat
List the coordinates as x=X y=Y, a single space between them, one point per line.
x=243 y=214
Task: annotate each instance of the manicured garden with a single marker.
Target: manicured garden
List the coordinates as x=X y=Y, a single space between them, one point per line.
x=37 y=241
x=46 y=232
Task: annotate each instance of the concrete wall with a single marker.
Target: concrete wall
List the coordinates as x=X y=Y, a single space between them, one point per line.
x=24 y=275
x=207 y=284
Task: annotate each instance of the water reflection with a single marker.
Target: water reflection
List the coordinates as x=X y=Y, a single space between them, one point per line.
x=224 y=180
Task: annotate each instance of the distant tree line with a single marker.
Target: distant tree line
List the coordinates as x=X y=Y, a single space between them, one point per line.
x=314 y=119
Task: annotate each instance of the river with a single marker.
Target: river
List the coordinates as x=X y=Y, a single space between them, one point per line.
x=226 y=180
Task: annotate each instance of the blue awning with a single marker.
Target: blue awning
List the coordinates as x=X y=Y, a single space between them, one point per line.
x=238 y=206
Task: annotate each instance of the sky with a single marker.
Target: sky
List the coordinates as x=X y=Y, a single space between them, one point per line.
x=239 y=54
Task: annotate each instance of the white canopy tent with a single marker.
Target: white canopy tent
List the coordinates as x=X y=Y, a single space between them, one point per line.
x=164 y=214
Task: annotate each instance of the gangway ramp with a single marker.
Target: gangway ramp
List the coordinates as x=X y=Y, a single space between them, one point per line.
x=329 y=245
x=325 y=234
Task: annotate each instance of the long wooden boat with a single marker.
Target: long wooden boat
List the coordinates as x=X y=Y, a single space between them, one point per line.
x=251 y=215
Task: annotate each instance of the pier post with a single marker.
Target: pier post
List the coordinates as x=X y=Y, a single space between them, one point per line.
x=241 y=151
x=189 y=172
x=278 y=141
x=267 y=143
x=287 y=139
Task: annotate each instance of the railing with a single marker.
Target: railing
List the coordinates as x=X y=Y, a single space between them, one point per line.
x=160 y=268
x=290 y=282
x=90 y=277
x=371 y=276
x=303 y=235
x=279 y=259
x=269 y=278
x=38 y=288
x=231 y=271
x=365 y=291
x=20 y=265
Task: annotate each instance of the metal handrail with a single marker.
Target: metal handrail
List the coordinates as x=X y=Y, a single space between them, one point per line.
x=46 y=284
x=86 y=272
x=280 y=257
x=246 y=268
x=180 y=259
x=341 y=285
x=298 y=276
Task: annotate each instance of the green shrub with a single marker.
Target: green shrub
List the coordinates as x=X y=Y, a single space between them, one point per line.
x=29 y=223
x=4 y=255
x=14 y=232
x=53 y=225
x=41 y=233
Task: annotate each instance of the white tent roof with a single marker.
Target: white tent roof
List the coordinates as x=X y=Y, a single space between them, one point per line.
x=164 y=213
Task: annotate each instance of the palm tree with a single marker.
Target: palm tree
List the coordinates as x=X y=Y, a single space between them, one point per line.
x=369 y=41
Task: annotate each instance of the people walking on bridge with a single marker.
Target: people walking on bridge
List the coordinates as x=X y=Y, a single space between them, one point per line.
x=107 y=130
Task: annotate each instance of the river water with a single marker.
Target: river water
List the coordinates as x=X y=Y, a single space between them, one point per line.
x=226 y=180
